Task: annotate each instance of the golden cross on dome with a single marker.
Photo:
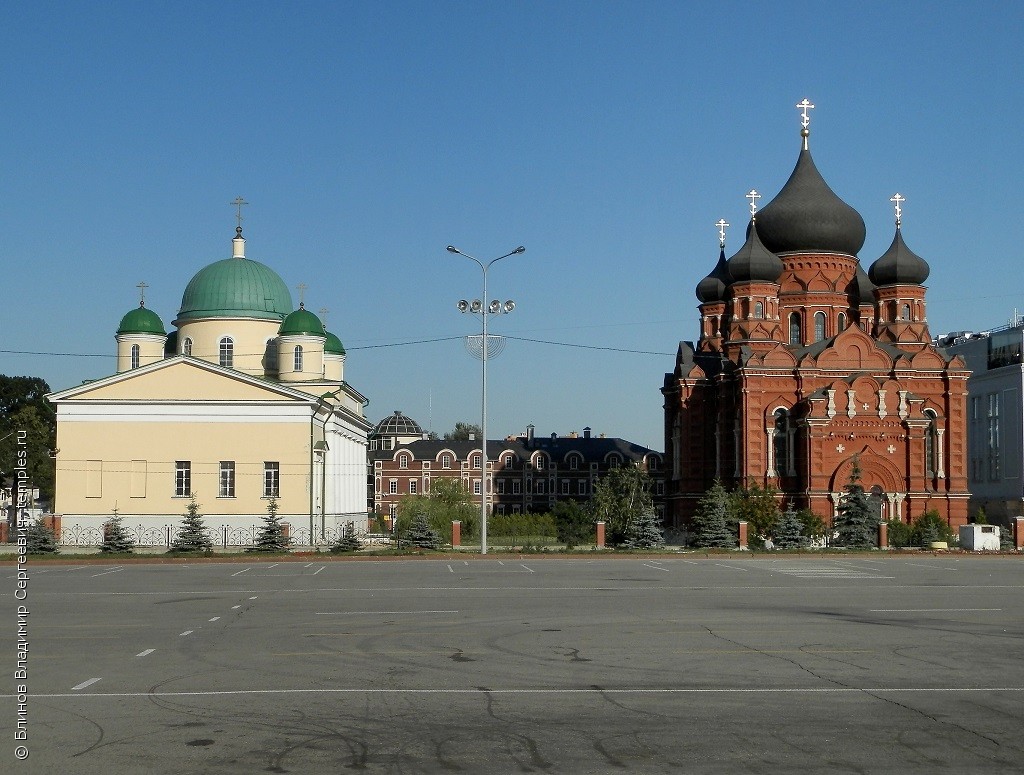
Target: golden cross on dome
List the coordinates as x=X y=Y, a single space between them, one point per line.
x=238 y=204
x=753 y=196
x=897 y=199
x=142 y=293
x=722 y=226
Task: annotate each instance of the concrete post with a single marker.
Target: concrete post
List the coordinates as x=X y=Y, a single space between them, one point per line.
x=743 y=536
x=883 y=535
x=456 y=534
x=600 y=535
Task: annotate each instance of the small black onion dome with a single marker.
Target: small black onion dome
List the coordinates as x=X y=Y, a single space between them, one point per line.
x=754 y=262
x=899 y=265
x=712 y=288
x=861 y=289
x=806 y=215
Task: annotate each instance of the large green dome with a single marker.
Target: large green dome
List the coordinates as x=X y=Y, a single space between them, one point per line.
x=141 y=321
x=236 y=288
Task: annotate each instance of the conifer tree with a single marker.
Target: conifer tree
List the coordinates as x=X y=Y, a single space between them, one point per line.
x=192 y=536
x=39 y=539
x=709 y=528
x=116 y=537
x=855 y=524
x=348 y=541
x=421 y=534
x=271 y=537
x=789 y=531
x=644 y=532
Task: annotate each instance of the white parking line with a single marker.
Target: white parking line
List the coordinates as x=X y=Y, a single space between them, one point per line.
x=145 y=653
x=921 y=565
x=235 y=606
x=655 y=567
x=732 y=567
x=924 y=610
x=254 y=597
x=115 y=570
x=389 y=613
x=307 y=565
x=241 y=572
x=82 y=685
x=214 y=619
x=529 y=569
x=451 y=569
x=319 y=569
x=187 y=632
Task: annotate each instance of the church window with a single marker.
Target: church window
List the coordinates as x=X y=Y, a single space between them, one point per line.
x=227 y=479
x=794 y=328
x=905 y=314
x=819 y=326
x=759 y=310
x=271 y=479
x=227 y=353
x=782 y=442
x=186 y=346
x=135 y=356
x=297 y=358
x=841 y=322
x=930 y=438
x=182 y=478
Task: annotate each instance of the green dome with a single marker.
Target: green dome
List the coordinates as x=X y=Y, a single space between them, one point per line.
x=301 y=322
x=235 y=288
x=334 y=345
x=141 y=321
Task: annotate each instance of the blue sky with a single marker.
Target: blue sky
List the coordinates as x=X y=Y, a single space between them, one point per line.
x=608 y=138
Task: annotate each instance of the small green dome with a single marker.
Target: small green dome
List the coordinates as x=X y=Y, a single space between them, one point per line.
x=141 y=321
x=235 y=288
x=301 y=322
x=334 y=345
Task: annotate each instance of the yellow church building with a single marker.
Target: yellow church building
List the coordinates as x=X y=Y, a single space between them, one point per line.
x=244 y=402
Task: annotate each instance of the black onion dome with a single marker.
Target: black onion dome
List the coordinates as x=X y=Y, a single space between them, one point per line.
x=861 y=289
x=712 y=288
x=754 y=262
x=806 y=215
x=899 y=265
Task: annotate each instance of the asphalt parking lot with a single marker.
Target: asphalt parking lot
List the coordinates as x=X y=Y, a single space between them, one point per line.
x=514 y=665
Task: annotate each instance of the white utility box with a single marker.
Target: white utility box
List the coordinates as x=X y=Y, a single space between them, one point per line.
x=979 y=538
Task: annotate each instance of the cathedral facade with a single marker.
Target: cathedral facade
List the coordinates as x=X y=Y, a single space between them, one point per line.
x=807 y=366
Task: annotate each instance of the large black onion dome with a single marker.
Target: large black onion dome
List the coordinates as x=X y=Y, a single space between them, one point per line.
x=806 y=215
x=861 y=290
x=899 y=265
x=712 y=288
x=754 y=262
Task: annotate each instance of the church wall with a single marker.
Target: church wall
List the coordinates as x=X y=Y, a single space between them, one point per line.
x=249 y=335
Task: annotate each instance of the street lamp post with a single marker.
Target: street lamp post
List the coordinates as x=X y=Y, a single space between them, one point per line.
x=484 y=308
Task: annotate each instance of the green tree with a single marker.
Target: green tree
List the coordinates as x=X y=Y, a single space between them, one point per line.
x=644 y=532
x=420 y=533
x=620 y=497
x=574 y=524
x=192 y=536
x=813 y=525
x=348 y=541
x=39 y=539
x=789 y=532
x=758 y=507
x=931 y=527
x=462 y=432
x=449 y=500
x=856 y=524
x=708 y=528
x=271 y=537
x=116 y=537
x=23 y=407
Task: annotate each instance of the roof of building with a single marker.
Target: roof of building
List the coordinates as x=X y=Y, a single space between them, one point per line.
x=712 y=288
x=558 y=448
x=333 y=345
x=141 y=321
x=754 y=262
x=302 y=322
x=807 y=216
x=397 y=424
x=899 y=265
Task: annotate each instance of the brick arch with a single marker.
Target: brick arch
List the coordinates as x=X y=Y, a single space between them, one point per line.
x=874 y=469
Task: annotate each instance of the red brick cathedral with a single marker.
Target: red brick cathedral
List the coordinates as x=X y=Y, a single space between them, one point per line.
x=806 y=363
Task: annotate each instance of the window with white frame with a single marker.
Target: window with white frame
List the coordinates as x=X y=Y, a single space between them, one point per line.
x=565 y=487
x=182 y=478
x=412 y=486
x=540 y=462
x=583 y=488
x=186 y=346
x=446 y=461
x=574 y=462
x=475 y=463
x=271 y=479
x=227 y=352
x=297 y=358
x=819 y=326
x=403 y=461
x=227 y=479
x=135 y=356
x=794 y=328
x=393 y=486
x=517 y=487
x=476 y=486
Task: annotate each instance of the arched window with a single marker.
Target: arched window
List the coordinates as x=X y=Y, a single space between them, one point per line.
x=403 y=461
x=841 y=322
x=186 y=346
x=297 y=359
x=782 y=442
x=819 y=326
x=759 y=310
x=905 y=314
x=574 y=462
x=930 y=444
x=614 y=461
x=135 y=356
x=794 y=328
x=446 y=461
x=227 y=353
x=540 y=463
